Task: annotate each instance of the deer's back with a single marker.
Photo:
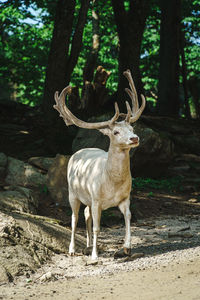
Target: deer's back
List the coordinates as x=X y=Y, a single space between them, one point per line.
x=85 y=169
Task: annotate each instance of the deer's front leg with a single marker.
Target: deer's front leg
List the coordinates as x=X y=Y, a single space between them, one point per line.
x=124 y=208
x=96 y=216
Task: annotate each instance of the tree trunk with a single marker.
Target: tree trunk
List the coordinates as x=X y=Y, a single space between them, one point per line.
x=184 y=76
x=62 y=60
x=130 y=27
x=168 y=87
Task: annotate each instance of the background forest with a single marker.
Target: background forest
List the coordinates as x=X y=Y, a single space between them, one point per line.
x=45 y=45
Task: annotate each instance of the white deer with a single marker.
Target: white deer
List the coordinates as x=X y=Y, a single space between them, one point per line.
x=102 y=179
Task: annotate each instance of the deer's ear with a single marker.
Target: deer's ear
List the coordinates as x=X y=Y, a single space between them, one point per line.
x=105 y=131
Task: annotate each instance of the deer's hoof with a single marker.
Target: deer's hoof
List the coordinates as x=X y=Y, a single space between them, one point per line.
x=127 y=251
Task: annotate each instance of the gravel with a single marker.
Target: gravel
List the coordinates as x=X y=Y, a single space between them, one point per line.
x=157 y=242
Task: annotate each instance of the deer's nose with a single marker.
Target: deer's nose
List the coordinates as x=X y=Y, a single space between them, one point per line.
x=134 y=140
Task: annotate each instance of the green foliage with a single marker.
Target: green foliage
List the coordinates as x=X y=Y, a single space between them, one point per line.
x=151 y=42
x=44 y=189
x=108 y=52
x=169 y=184
x=24 y=50
x=150 y=54
x=191 y=25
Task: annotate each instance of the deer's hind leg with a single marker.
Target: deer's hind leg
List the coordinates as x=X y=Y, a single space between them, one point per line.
x=88 y=222
x=75 y=206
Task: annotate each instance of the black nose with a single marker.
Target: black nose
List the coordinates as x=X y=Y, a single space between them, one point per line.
x=134 y=139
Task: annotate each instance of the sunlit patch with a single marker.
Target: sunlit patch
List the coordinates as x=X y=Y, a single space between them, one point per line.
x=24 y=132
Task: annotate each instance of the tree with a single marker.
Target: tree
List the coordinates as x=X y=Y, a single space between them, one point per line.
x=24 y=42
x=130 y=17
x=64 y=51
x=168 y=87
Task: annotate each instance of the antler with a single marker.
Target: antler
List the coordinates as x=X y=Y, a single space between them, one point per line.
x=70 y=119
x=131 y=116
x=136 y=111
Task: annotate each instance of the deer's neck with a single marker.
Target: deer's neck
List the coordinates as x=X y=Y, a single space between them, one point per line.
x=118 y=163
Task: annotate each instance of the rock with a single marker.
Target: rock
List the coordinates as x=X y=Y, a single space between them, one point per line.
x=188 y=144
x=3 y=160
x=57 y=180
x=180 y=235
x=188 y=188
x=23 y=174
x=3 y=163
x=19 y=198
x=92 y=262
x=2 y=172
x=189 y=158
x=86 y=138
x=134 y=256
x=43 y=163
x=180 y=169
x=154 y=154
x=193 y=200
x=27 y=241
x=47 y=277
x=184 y=228
x=4 y=276
x=122 y=253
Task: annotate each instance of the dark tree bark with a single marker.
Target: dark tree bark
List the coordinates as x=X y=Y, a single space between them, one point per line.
x=94 y=96
x=184 y=76
x=62 y=57
x=168 y=87
x=130 y=26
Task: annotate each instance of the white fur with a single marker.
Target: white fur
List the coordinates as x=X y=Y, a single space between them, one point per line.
x=101 y=180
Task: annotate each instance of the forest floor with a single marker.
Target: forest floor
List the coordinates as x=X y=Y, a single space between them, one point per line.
x=165 y=264
x=165 y=259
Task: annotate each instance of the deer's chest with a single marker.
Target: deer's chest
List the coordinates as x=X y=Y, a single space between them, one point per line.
x=114 y=193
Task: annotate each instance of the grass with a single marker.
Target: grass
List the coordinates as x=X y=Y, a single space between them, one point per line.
x=167 y=184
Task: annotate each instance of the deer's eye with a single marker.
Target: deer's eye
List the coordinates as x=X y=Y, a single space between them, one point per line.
x=116 y=132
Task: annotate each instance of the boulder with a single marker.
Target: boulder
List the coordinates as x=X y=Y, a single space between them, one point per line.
x=23 y=174
x=87 y=138
x=3 y=163
x=57 y=180
x=27 y=241
x=43 y=163
x=5 y=277
x=20 y=199
x=3 y=160
x=151 y=158
x=154 y=154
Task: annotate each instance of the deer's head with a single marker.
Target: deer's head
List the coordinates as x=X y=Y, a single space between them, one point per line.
x=120 y=133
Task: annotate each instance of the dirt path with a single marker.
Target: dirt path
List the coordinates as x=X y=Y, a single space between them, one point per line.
x=169 y=267
x=176 y=281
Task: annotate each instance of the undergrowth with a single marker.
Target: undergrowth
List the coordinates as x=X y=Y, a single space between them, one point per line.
x=167 y=184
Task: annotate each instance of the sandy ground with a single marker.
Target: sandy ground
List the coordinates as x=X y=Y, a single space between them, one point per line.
x=176 y=281
x=169 y=268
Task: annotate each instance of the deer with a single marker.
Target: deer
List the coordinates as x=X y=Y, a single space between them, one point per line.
x=100 y=179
